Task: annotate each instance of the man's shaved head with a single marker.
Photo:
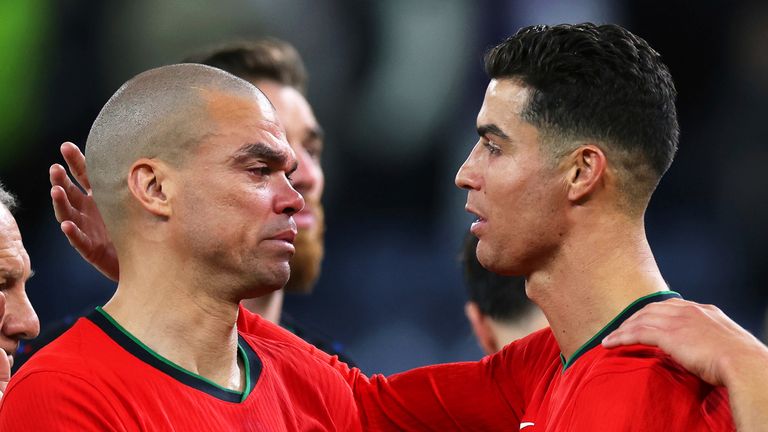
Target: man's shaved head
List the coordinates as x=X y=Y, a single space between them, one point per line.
x=162 y=113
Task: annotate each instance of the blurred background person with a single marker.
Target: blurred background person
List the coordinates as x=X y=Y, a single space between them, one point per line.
x=498 y=309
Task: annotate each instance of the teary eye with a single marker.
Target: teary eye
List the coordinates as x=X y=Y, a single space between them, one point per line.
x=492 y=147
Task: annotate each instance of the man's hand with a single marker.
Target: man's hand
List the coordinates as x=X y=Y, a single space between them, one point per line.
x=76 y=211
x=707 y=343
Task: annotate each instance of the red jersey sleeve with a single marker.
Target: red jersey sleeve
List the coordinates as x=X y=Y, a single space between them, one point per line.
x=51 y=401
x=468 y=396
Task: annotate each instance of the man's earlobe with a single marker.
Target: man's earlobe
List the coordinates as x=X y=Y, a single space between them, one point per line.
x=146 y=182
x=588 y=164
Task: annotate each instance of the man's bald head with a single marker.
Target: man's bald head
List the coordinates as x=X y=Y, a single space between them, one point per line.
x=162 y=113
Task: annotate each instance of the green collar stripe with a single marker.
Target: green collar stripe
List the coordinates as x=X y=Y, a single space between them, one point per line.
x=616 y=322
x=134 y=346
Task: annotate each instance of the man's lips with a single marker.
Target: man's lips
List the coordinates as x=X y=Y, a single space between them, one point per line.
x=288 y=236
x=479 y=223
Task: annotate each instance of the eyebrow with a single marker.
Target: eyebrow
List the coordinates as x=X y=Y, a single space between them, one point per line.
x=492 y=129
x=260 y=151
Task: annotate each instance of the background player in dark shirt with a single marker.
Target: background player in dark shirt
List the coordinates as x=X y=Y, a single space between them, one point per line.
x=497 y=308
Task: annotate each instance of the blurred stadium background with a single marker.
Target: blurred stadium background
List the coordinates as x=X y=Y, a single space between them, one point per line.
x=397 y=84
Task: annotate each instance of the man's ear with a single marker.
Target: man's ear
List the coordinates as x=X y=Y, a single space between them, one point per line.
x=481 y=326
x=148 y=183
x=585 y=174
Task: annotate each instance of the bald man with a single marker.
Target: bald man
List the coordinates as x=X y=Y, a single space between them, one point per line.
x=18 y=319
x=277 y=69
x=190 y=170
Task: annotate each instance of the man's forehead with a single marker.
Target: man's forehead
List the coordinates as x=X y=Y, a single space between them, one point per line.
x=504 y=102
x=13 y=257
x=226 y=106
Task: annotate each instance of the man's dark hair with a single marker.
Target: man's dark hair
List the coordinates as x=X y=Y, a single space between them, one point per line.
x=499 y=297
x=7 y=199
x=268 y=58
x=599 y=83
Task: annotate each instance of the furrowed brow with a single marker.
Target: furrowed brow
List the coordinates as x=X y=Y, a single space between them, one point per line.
x=260 y=151
x=491 y=129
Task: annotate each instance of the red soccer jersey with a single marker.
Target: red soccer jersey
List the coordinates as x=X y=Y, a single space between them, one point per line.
x=527 y=386
x=98 y=377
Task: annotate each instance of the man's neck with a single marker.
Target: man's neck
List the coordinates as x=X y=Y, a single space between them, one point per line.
x=181 y=323
x=585 y=287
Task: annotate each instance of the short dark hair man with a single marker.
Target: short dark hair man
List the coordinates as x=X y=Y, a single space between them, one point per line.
x=576 y=129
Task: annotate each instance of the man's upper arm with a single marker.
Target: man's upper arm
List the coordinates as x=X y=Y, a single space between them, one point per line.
x=456 y=396
x=51 y=401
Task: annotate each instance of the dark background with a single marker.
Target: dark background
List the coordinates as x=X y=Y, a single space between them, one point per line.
x=397 y=84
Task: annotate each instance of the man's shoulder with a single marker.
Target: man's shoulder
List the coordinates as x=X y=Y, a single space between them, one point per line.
x=73 y=351
x=539 y=346
x=645 y=378
x=647 y=361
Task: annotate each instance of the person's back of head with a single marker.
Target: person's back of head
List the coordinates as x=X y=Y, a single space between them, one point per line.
x=497 y=308
x=257 y=60
x=596 y=83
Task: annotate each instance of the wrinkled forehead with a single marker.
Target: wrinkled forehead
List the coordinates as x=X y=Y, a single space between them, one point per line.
x=13 y=257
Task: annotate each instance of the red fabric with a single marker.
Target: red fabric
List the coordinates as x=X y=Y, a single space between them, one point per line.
x=85 y=381
x=634 y=388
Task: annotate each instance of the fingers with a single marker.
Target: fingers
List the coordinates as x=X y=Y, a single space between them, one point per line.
x=642 y=335
x=58 y=177
x=62 y=208
x=76 y=163
x=77 y=239
x=654 y=323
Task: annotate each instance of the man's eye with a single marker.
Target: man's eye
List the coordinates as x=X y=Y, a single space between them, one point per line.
x=492 y=148
x=261 y=171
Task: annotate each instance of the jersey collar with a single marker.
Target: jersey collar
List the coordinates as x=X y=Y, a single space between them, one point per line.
x=616 y=322
x=135 y=347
